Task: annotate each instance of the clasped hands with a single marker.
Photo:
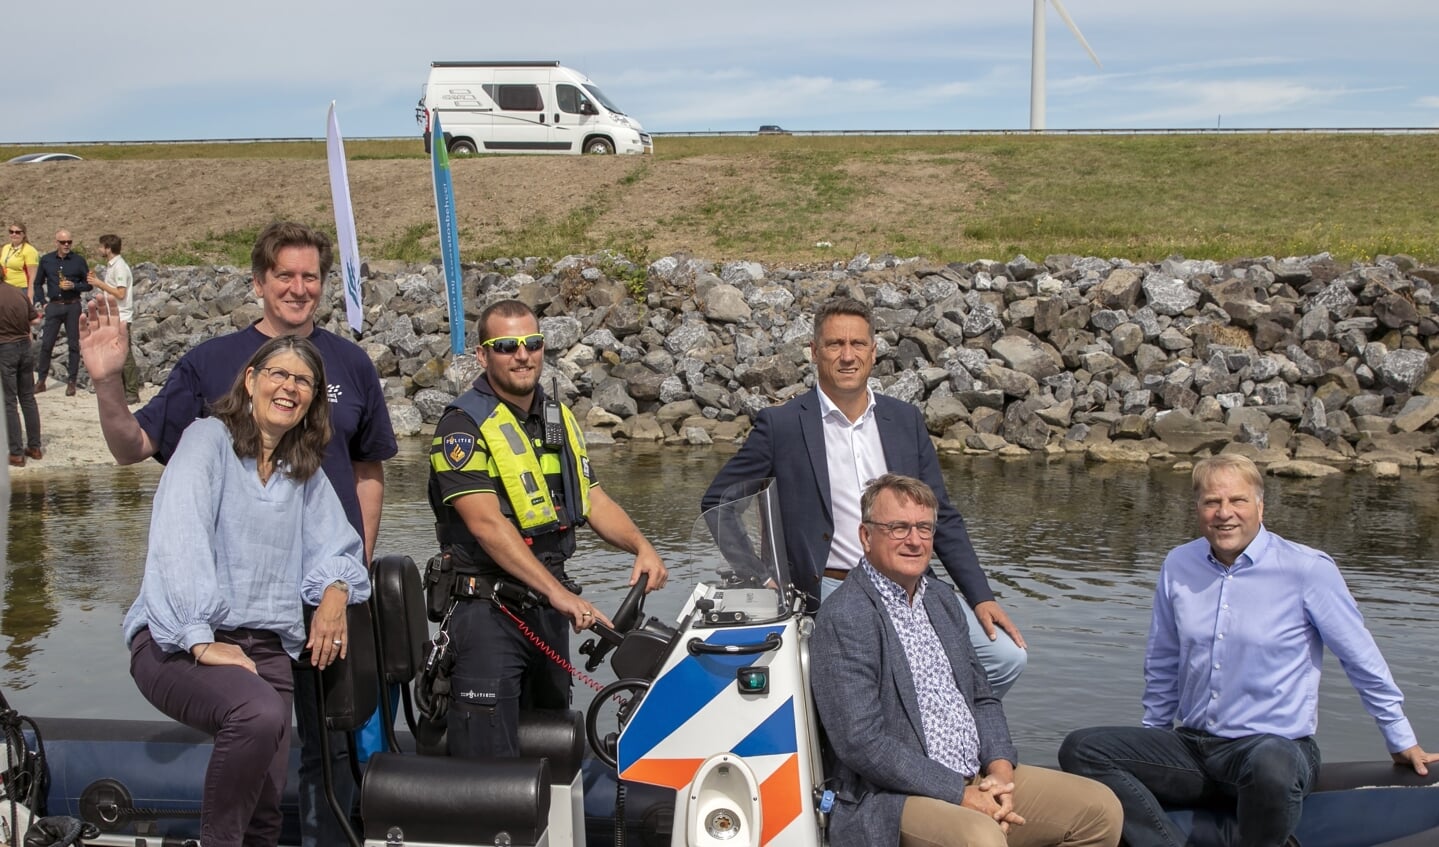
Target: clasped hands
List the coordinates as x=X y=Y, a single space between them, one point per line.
x=995 y=799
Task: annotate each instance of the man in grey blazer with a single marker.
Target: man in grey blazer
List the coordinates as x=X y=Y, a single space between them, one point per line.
x=823 y=446
x=919 y=746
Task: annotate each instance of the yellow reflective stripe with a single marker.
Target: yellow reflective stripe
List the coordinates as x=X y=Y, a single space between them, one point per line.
x=455 y=494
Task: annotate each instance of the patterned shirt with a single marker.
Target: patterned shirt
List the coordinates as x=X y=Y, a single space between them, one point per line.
x=950 y=735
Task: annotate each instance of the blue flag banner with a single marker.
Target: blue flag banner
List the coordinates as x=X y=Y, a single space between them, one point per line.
x=449 y=233
x=348 y=246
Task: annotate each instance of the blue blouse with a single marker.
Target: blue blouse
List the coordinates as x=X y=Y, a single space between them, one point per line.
x=227 y=551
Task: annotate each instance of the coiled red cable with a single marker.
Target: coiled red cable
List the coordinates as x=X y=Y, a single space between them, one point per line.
x=555 y=656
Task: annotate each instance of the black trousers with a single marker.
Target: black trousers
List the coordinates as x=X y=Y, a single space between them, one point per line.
x=56 y=313
x=499 y=669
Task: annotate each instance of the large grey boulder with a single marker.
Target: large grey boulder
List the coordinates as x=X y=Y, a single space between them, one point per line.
x=1395 y=312
x=1028 y=355
x=405 y=418
x=612 y=395
x=1403 y=370
x=1336 y=299
x=1418 y=411
x=1169 y=296
x=1012 y=382
x=1184 y=433
x=1119 y=290
x=1302 y=469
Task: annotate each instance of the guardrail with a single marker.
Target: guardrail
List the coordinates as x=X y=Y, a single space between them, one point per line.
x=1409 y=130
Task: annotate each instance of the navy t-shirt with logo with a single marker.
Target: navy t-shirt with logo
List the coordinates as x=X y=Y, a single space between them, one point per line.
x=358 y=417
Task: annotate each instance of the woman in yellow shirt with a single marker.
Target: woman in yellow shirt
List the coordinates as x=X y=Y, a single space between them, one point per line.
x=18 y=260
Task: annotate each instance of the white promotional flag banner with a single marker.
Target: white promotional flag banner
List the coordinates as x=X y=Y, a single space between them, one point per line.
x=349 y=247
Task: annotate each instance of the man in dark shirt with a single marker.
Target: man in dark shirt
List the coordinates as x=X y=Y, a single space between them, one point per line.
x=17 y=373
x=59 y=282
x=289 y=264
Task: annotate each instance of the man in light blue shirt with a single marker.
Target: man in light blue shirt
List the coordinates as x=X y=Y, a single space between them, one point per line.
x=1241 y=619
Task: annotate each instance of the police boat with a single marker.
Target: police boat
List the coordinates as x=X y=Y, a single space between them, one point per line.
x=707 y=738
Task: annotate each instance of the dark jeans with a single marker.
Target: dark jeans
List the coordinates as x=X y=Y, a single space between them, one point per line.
x=1264 y=778
x=498 y=670
x=318 y=826
x=249 y=715
x=56 y=313
x=17 y=376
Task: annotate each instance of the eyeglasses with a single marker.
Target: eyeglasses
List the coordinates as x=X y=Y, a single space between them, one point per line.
x=17 y=232
x=509 y=345
x=279 y=376
x=900 y=530
x=67 y=242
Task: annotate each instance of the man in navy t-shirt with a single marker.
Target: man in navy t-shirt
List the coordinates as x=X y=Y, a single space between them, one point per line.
x=290 y=262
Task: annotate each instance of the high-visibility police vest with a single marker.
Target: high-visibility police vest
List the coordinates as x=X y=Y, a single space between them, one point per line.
x=523 y=472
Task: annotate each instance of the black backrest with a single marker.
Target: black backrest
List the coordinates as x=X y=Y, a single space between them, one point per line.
x=352 y=685
x=399 y=606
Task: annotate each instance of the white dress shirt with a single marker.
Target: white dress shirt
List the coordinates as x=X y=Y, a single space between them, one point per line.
x=855 y=456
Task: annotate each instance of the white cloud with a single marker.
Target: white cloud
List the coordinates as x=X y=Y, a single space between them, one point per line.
x=1182 y=103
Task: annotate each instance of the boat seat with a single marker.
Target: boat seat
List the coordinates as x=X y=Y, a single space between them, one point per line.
x=399 y=609
x=352 y=686
x=439 y=800
x=557 y=735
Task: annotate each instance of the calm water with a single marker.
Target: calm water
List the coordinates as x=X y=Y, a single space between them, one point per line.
x=1072 y=550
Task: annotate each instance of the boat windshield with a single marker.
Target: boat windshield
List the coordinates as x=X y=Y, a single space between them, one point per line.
x=739 y=557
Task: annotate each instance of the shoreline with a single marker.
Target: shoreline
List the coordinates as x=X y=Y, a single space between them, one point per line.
x=71 y=439
x=1302 y=364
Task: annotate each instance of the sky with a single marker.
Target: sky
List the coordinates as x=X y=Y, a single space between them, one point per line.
x=149 y=70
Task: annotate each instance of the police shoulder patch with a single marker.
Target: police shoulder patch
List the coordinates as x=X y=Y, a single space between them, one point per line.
x=458 y=447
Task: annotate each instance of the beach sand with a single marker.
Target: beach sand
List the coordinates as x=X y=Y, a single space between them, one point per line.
x=70 y=430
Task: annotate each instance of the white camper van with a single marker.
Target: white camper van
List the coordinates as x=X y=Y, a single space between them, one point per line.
x=525 y=107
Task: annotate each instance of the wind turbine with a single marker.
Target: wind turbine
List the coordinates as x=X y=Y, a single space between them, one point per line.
x=1036 y=67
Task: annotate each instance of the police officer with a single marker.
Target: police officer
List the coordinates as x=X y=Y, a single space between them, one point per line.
x=509 y=483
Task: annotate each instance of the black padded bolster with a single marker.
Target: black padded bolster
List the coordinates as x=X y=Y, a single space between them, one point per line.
x=1338 y=776
x=352 y=685
x=557 y=735
x=455 y=801
x=399 y=601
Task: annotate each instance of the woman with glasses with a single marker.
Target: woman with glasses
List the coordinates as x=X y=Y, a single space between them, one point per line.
x=246 y=528
x=18 y=260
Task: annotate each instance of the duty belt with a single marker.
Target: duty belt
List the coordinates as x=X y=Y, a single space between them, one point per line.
x=474 y=587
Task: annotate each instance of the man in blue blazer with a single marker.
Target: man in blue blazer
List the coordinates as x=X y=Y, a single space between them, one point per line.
x=919 y=746
x=825 y=445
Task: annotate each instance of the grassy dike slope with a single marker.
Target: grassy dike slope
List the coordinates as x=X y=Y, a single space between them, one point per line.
x=802 y=200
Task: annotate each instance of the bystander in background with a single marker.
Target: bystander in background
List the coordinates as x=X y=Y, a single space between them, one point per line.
x=18 y=260
x=17 y=374
x=119 y=282
x=58 y=286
